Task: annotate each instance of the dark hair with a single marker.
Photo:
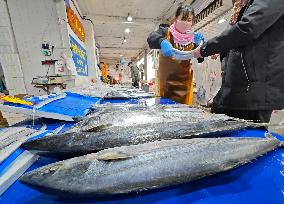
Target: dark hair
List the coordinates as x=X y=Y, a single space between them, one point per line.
x=101 y=62
x=185 y=10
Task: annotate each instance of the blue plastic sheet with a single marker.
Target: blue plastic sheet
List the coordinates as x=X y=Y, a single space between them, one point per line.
x=258 y=182
x=74 y=105
x=261 y=181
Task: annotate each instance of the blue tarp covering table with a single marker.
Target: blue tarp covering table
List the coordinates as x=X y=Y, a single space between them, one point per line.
x=73 y=105
x=261 y=181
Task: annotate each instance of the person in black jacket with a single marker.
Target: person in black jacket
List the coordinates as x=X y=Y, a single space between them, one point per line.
x=253 y=80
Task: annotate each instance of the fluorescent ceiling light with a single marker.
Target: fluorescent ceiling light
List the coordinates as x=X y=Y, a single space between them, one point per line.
x=129 y=18
x=127 y=30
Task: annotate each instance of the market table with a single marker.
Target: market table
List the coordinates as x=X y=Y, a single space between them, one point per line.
x=261 y=181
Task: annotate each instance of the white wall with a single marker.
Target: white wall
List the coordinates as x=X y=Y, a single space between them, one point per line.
x=91 y=49
x=35 y=21
x=9 y=57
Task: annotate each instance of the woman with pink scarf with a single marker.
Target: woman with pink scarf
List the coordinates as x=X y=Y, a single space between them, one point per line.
x=175 y=77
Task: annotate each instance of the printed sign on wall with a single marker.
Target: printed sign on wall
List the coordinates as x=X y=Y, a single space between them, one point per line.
x=60 y=67
x=75 y=23
x=79 y=56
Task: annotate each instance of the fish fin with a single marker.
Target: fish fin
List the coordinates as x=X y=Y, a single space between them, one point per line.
x=114 y=156
x=96 y=128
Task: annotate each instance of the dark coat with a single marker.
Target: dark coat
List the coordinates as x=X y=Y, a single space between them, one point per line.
x=254 y=65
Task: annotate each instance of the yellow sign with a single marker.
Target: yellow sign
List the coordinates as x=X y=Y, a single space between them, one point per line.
x=12 y=99
x=78 y=51
x=75 y=24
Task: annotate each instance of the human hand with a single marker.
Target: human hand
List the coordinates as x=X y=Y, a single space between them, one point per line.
x=197 y=53
x=198 y=38
x=214 y=57
x=167 y=48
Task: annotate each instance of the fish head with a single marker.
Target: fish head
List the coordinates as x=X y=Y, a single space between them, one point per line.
x=43 y=143
x=40 y=176
x=62 y=178
x=57 y=144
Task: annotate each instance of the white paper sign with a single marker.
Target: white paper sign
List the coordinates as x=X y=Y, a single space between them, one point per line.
x=60 y=67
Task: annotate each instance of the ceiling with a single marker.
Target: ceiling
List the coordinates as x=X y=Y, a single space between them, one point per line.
x=109 y=17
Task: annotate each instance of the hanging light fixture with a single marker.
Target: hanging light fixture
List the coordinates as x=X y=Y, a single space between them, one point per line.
x=129 y=18
x=127 y=30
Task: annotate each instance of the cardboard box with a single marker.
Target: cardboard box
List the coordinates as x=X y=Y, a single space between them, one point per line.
x=21 y=96
x=3 y=121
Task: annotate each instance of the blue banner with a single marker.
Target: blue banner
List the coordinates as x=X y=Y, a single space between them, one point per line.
x=79 y=56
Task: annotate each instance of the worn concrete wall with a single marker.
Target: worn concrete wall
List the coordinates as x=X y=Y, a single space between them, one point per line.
x=91 y=49
x=38 y=21
x=35 y=21
x=9 y=57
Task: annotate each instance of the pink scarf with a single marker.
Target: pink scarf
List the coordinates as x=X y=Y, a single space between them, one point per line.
x=181 y=38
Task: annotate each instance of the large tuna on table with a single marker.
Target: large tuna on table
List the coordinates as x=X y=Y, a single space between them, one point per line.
x=137 y=115
x=80 y=143
x=146 y=166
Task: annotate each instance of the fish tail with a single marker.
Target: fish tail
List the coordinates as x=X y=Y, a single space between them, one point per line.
x=269 y=135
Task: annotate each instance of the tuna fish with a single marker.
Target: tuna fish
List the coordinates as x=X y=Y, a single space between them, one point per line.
x=80 y=143
x=143 y=105
x=146 y=166
x=157 y=114
x=127 y=94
